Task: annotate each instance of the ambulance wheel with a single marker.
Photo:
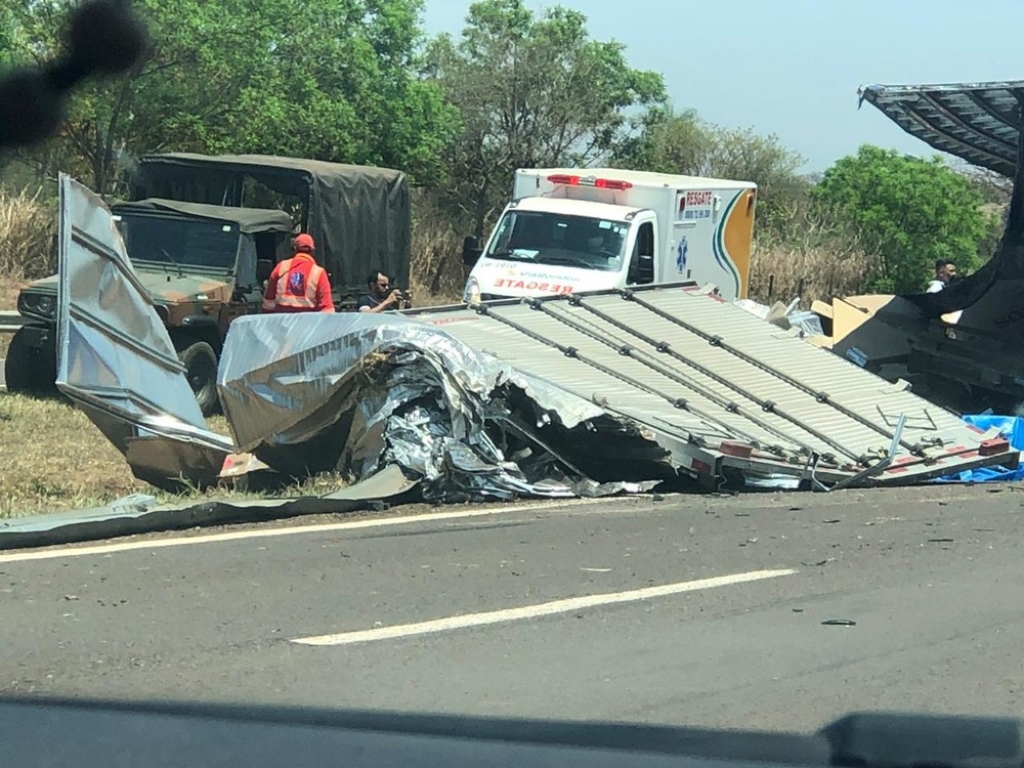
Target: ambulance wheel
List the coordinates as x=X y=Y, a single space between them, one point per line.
x=200 y=363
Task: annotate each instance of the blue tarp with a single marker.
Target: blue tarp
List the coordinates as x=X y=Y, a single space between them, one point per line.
x=1010 y=427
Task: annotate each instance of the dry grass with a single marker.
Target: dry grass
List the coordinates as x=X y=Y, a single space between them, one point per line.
x=782 y=274
x=437 y=273
x=54 y=460
x=817 y=259
x=9 y=295
x=27 y=226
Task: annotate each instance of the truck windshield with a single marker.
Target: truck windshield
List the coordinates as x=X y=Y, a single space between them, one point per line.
x=557 y=238
x=176 y=241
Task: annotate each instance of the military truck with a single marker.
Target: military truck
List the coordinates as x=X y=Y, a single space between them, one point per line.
x=234 y=210
x=203 y=265
x=359 y=216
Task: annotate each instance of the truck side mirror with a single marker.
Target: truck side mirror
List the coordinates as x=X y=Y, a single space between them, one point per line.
x=263 y=269
x=471 y=251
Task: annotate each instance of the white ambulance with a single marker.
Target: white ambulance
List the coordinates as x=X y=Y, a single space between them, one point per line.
x=571 y=230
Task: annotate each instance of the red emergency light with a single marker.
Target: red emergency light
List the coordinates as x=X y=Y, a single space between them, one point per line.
x=588 y=181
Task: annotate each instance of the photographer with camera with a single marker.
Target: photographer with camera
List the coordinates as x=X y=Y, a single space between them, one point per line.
x=381 y=297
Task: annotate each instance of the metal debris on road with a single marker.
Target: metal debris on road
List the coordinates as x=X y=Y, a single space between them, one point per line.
x=353 y=393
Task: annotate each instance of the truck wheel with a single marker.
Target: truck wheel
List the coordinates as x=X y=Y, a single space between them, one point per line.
x=27 y=370
x=200 y=363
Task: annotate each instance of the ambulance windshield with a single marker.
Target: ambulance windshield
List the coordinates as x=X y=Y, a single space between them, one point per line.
x=557 y=238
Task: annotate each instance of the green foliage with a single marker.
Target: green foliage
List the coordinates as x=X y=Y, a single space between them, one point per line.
x=355 y=81
x=531 y=92
x=326 y=79
x=908 y=210
x=669 y=142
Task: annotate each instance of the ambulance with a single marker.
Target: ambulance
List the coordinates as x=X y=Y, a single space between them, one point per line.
x=570 y=230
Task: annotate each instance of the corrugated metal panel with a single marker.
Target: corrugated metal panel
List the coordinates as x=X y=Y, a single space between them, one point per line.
x=978 y=122
x=694 y=367
x=115 y=359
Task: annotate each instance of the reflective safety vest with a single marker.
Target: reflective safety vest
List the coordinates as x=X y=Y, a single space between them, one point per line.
x=296 y=286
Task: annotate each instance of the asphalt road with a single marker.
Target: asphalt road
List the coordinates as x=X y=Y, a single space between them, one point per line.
x=687 y=610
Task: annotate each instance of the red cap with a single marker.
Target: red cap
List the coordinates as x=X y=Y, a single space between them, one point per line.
x=304 y=243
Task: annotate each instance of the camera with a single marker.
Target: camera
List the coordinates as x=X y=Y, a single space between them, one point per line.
x=404 y=298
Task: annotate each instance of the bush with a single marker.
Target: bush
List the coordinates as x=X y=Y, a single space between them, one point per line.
x=814 y=257
x=910 y=210
x=437 y=275
x=27 y=228
x=783 y=273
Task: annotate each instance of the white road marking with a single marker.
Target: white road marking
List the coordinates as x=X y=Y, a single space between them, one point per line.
x=535 y=611
x=265 y=533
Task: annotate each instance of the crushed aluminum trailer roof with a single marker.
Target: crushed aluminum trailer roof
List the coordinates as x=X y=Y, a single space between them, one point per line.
x=728 y=394
x=977 y=122
x=354 y=393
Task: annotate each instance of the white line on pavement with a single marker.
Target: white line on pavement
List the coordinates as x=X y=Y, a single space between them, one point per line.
x=534 y=611
x=263 y=533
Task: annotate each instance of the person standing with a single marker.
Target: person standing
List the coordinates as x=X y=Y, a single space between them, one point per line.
x=945 y=271
x=299 y=284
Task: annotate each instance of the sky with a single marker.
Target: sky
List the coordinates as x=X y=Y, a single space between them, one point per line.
x=792 y=67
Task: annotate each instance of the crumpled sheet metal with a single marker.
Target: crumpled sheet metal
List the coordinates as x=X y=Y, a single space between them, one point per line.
x=350 y=392
x=334 y=392
x=115 y=359
x=140 y=513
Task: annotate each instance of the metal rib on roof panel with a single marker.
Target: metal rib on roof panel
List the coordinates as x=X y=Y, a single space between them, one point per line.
x=977 y=122
x=689 y=364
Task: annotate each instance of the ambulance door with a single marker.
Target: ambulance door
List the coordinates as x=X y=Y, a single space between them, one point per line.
x=643 y=267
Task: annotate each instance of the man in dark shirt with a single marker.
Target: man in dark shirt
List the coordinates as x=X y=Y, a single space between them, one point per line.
x=380 y=296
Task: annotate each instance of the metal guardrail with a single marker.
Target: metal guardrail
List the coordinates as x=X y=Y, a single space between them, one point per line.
x=10 y=322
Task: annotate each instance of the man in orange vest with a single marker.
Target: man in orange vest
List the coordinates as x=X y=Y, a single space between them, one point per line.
x=299 y=284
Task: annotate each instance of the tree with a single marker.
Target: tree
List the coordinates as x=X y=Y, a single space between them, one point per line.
x=910 y=211
x=327 y=79
x=530 y=92
x=683 y=143
x=664 y=141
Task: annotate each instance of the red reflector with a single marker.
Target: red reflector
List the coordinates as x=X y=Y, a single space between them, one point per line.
x=741 y=450
x=589 y=181
x=700 y=467
x=994 y=446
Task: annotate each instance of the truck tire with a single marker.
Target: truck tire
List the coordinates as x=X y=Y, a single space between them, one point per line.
x=200 y=363
x=27 y=370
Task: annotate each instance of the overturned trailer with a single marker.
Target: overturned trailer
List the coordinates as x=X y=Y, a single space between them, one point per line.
x=589 y=395
x=961 y=345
